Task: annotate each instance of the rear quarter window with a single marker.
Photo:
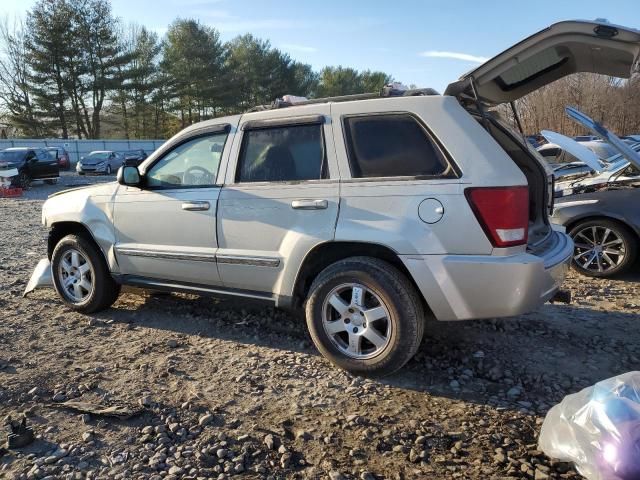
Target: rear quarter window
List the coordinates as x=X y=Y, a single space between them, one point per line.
x=392 y=145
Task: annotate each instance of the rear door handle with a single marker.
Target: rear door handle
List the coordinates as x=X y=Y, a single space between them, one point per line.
x=309 y=204
x=196 y=206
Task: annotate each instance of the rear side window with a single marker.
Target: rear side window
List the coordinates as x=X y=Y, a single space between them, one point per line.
x=392 y=145
x=282 y=154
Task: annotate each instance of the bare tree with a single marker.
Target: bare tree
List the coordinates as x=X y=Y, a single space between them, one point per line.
x=15 y=89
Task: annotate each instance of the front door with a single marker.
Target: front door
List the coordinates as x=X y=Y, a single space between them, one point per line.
x=280 y=198
x=166 y=230
x=43 y=164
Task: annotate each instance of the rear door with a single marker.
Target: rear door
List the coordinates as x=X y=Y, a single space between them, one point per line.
x=280 y=197
x=559 y=50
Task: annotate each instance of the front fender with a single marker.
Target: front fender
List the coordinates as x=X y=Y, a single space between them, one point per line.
x=90 y=207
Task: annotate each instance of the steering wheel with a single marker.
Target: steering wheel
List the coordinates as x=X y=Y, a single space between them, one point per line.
x=196 y=175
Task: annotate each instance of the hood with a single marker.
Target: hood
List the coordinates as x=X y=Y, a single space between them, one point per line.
x=594 y=127
x=89 y=189
x=93 y=161
x=576 y=149
x=559 y=50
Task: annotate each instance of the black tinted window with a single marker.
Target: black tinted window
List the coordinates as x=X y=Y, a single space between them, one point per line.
x=281 y=154
x=394 y=145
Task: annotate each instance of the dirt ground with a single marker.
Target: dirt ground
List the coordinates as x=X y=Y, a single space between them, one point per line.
x=222 y=388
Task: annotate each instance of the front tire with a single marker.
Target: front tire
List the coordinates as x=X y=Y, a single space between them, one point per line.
x=81 y=276
x=603 y=248
x=365 y=316
x=23 y=180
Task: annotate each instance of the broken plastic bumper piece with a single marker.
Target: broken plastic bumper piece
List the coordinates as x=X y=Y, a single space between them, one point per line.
x=40 y=278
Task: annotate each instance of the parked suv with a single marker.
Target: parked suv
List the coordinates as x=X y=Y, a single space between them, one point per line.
x=31 y=164
x=370 y=213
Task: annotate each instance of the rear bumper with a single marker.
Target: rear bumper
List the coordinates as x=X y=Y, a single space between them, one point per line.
x=461 y=287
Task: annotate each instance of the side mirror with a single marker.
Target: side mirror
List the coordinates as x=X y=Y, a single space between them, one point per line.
x=128 y=175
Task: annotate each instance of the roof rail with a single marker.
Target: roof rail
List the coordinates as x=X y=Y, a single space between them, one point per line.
x=386 y=92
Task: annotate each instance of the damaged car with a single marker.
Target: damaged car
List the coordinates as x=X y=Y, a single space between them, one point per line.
x=348 y=208
x=563 y=162
x=601 y=210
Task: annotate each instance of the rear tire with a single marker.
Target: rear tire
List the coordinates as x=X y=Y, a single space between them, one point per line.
x=615 y=251
x=81 y=276
x=365 y=316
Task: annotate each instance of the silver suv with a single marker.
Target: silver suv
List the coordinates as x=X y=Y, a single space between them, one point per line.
x=369 y=213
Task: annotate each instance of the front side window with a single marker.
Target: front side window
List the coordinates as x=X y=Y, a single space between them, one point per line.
x=392 y=145
x=193 y=163
x=282 y=154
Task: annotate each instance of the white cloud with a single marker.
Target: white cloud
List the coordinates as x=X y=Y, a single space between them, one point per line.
x=298 y=48
x=454 y=55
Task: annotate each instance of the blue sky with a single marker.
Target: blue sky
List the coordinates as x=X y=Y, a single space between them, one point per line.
x=429 y=43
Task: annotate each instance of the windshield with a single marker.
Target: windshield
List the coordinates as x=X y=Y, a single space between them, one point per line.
x=603 y=150
x=616 y=162
x=12 y=155
x=98 y=155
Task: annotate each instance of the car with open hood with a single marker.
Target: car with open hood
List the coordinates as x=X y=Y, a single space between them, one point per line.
x=589 y=171
x=369 y=212
x=601 y=209
x=564 y=163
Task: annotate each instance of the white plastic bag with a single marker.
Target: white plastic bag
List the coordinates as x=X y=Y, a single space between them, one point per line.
x=598 y=429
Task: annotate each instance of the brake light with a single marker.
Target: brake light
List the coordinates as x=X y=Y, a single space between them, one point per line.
x=503 y=213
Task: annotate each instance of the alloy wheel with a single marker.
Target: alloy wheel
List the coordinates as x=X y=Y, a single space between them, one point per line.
x=357 y=321
x=598 y=249
x=76 y=275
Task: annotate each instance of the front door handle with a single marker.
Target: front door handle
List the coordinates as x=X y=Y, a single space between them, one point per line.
x=309 y=204
x=196 y=206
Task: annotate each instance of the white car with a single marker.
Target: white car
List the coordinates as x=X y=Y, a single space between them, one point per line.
x=564 y=163
x=369 y=212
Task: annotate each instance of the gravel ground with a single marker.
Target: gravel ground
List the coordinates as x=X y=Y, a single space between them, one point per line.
x=225 y=388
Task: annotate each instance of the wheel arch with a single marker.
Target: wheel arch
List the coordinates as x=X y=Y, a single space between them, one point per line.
x=327 y=253
x=603 y=216
x=60 y=230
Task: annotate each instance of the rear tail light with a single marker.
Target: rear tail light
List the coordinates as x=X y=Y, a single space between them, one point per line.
x=503 y=213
